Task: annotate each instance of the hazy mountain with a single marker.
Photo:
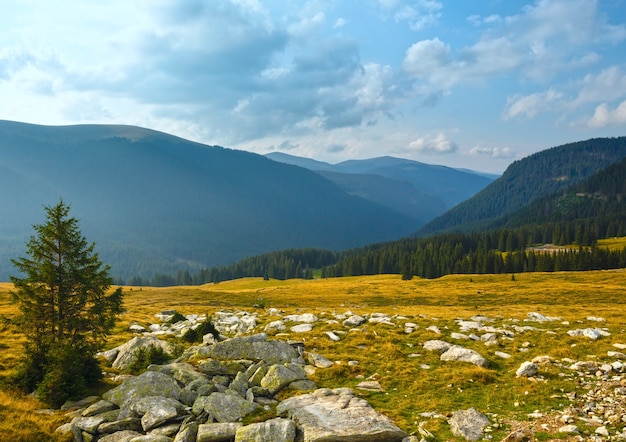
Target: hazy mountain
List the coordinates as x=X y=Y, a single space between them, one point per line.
x=420 y=190
x=543 y=173
x=157 y=203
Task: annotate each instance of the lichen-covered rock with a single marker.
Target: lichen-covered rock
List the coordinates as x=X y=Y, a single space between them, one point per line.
x=217 y=432
x=127 y=353
x=354 y=321
x=228 y=407
x=188 y=432
x=468 y=424
x=126 y=424
x=279 y=376
x=99 y=408
x=255 y=348
x=182 y=372
x=527 y=369
x=274 y=430
x=318 y=360
x=437 y=345
x=156 y=410
x=150 y=383
x=337 y=415
x=120 y=436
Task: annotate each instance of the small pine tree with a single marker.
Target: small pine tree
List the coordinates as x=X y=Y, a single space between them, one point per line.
x=66 y=308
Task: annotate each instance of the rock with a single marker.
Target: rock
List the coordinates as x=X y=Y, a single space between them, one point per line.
x=279 y=376
x=540 y=360
x=527 y=369
x=468 y=424
x=309 y=318
x=332 y=336
x=127 y=353
x=90 y=424
x=380 y=318
x=337 y=415
x=370 y=386
x=602 y=431
x=99 y=408
x=302 y=328
x=462 y=354
x=275 y=326
x=136 y=328
x=156 y=410
x=459 y=336
x=591 y=333
x=150 y=383
x=120 y=436
x=151 y=438
x=502 y=354
x=354 y=321
x=437 y=345
x=228 y=407
x=568 y=429
x=538 y=317
x=126 y=424
x=182 y=372
x=523 y=435
x=274 y=430
x=318 y=360
x=217 y=432
x=254 y=348
x=188 y=432
x=434 y=329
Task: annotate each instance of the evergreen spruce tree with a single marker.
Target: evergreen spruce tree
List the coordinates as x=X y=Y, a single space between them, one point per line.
x=66 y=308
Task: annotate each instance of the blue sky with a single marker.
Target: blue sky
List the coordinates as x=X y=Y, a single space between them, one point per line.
x=465 y=83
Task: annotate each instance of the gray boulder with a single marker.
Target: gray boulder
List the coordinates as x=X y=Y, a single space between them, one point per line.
x=149 y=383
x=156 y=410
x=462 y=354
x=468 y=424
x=188 y=432
x=527 y=369
x=182 y=372
x=354 y=321
x=120 y=436
x=126 y=424
x=318 y=360
x=217 y=432
x=279 y=376
x=255 y=348
x=437 y=345
x=338 y=416
x=228 y=407
x=127 y=353
x=274 y=430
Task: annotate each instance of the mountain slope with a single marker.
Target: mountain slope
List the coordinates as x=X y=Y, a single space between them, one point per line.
x=157 y=203
x=525 y=180
x=423 y=191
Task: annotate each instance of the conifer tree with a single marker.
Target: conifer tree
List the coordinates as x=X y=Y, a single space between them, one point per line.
x=67 y=309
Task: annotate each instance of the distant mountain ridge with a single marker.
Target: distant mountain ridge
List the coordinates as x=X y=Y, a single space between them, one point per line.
x=156 y=203
x=543 y=173
x=422 y=191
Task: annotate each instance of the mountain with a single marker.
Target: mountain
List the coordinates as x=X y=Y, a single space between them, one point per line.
x=422 y=191
x=543 y=173
x=155 y=203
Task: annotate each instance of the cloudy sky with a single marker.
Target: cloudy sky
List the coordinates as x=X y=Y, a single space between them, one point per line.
x=464 y=83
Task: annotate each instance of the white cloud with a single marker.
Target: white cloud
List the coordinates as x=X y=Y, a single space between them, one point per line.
x=606 y=117
x=493 y=152
x=438 y=144
x=530 y=105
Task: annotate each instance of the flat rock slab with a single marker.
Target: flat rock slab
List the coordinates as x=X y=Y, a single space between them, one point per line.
x=468 y=424
x=337 y=415
x=255 y=348
x=149 y=383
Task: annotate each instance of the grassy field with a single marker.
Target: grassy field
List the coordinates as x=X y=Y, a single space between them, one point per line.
x=414 y=380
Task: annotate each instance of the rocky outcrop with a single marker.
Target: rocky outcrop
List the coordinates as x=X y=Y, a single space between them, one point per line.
x=206 y=401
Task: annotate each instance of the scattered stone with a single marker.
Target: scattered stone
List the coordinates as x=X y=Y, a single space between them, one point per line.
x=370 y=386
x=468 y=424
x=274 y=430
x=354 y=321
x=332 y=336
x=318 y=360
x=437 y=345
x=538 y=317
x=462 y=354
x=434 y=329
x=527 y=369
x=502 y=355
x=568 y=429
x=591 y=333
x=302 y=328
x=309 y=318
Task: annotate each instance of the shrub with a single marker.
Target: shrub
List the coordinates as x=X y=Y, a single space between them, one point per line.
x=196 y=334
x=146 y=356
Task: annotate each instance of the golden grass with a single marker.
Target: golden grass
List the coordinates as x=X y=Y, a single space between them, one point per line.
x=386 y=353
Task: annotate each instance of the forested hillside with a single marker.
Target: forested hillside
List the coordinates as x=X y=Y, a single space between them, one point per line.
x=422 y=191
x=154 y=203
x=578 y=215
x=524 y=181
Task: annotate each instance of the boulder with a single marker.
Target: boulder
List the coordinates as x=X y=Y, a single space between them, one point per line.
x=217 y=432
x=182 y=372
x=309 y=318
x=279 y=376
x=318 y=360
x=120 y=436
x=188 y=432
x=462 y=354
x=354 y=321
x=468 y=424
x=127 y=353
x=228 y=407
x=338 y=416
x=527 y=369
x=255 y=348
x=156 y=410
x=126 y=424
x=302 y=328
x=149 y=383
x=437 y=345
x=275 y=430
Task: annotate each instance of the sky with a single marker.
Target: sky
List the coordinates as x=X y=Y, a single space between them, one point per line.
x=471 y=84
